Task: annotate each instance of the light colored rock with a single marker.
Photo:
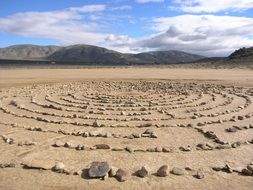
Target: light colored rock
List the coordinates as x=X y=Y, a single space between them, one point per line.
x=59 y=167
x=113 y=171
x=163 y=171
x=200 y=174
x=177 y=171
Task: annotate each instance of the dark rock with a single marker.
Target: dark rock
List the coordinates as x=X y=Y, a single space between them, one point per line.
x=102 y=146
x=246 y=172
x=143 y=172
x=122 y=175
x=98 y=169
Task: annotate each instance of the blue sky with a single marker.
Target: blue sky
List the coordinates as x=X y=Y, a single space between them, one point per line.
x=211 y=28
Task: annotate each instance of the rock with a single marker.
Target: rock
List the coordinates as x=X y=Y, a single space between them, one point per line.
x=70 y=145
x=143 y=172
x=166 y=149
x=58 y=144
x=250 y=167
x=79 y=172
x=96 y=124
x=151 y=150
x=8 y=165
x=106 y=176
x=102 y=146
x=148 y=131
x=129 y=149
x=177 y=171
x=117 y=149
x=163 y=171
x=210 y=134
x=231 y=130
x=200 y=174
x=246 y=172
x=136 y=135
x=240 y=117
x=38 y=164
x=158 y=149
x=228 y=168
x=59 y=167
x=79 y=147
x=122 y=175
x=98 y=169
x=113 y=171
x=153 y=135
x=186 y=149
x=108 y=135
x=217 y=168
x=122 y=113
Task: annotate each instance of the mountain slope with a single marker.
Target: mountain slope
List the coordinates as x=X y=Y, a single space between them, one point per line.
x=167 y=57
x=87 y=54
x=27 y=52
x=242 y=53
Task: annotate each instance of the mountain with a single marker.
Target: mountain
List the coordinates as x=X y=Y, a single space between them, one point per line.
x=93 y=55
x=87 y=54
x=172 y=56
x=242 y=53
x=27 y=52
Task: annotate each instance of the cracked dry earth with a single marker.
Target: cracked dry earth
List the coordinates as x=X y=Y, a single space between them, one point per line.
x=129 y=124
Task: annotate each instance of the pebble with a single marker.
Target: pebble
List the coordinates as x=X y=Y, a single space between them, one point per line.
x=113 y=171
x=246 y=172
x=250 y=167
x=163 y=171
x=59 y=167
x=70 y=145
x=158 y=149
x=102 y=146
x=129 y=149
x=143 y=172
x=98 y=169
x=200 y=174
x=58 y=144
x=166 y=149
x=8 y=165
x=122 y=175
x=177 y=171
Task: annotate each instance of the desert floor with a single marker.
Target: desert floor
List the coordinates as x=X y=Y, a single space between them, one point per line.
x=200 y=121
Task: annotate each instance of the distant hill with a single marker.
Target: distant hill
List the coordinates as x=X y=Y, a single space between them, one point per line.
x=93 y=55
x=27 y=52
x=242 y=53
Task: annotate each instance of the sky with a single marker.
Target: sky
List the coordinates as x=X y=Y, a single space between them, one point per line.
x=205 y=27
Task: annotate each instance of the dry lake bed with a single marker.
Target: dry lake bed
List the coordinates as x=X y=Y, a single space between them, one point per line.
x=126 y=128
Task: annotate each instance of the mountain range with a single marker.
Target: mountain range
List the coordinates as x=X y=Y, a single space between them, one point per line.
x=93 y=54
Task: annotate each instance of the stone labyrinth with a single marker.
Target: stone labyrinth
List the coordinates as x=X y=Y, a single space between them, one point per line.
x=125 y=129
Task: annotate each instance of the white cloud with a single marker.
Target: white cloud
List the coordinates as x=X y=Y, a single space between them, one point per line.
x=66 y=26
x=122 y=8
x=148 y=1
x=88 y=8
x=202 y=34
x=212 y=6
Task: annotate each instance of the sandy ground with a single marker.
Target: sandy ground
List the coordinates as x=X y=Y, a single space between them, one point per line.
x=87 y=107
